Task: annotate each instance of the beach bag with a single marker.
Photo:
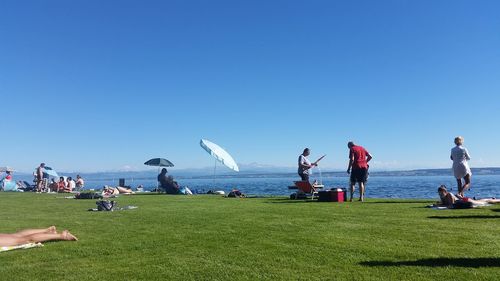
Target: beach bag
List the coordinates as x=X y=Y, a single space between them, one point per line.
x=235 y=193
x=106 y=206
x=88 y=195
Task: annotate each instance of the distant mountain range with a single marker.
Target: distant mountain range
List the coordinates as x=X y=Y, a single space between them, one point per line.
x=257 y=171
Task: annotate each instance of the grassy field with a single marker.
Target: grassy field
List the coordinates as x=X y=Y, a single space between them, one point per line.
x=215 y=238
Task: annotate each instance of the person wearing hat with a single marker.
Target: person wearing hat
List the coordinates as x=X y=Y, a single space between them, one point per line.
x=167 y=183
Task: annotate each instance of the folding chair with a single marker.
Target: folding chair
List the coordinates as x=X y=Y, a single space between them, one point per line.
x=307 y=189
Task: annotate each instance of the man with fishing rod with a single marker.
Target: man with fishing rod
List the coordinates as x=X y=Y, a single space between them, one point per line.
x=305 y=165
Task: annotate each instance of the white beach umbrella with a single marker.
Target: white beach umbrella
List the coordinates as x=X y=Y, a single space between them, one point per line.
x=220 y=155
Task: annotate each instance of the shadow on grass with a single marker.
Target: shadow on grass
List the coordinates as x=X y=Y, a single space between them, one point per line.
x=464 y=217
x=496 y=210
x=440 y=262
x=289 y=201
x=396 y=202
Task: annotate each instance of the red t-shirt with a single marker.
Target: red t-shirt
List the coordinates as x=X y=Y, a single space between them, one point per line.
x=359 y=154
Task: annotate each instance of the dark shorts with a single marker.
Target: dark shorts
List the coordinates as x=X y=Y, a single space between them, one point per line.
x=304 y=177
x=359 y=175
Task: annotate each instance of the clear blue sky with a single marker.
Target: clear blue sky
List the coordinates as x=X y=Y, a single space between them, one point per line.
x=103 y=85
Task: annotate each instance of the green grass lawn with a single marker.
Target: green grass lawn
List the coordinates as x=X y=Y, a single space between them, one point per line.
x=215 y=238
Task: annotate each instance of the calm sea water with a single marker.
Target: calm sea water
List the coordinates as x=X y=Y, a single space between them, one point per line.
x=377 y=187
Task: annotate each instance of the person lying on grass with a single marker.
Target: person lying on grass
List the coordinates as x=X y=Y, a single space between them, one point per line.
x=34 y=236
x=108 y=191
x=450 y=200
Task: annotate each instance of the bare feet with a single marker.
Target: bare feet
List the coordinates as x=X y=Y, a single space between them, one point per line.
x=68 y=236
x=52 y=229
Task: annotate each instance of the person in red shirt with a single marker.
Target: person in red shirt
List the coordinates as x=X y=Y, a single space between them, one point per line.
x=358 y=168
x=61 y=185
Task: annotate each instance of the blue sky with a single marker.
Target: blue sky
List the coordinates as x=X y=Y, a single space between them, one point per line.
x=106 y=85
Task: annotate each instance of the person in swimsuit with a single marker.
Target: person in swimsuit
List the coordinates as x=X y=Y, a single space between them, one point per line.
x=61 y=185
x=461 y=170
x=451 y=201
x=39 y=177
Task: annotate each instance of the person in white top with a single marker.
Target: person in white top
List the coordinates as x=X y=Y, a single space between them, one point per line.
x=461 y=169
x=70 y=186
x=305 y=165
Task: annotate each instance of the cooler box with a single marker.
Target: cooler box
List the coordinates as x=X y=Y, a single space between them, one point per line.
x=331 y=196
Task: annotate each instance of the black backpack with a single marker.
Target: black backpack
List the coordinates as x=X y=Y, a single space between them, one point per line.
x=107 y=206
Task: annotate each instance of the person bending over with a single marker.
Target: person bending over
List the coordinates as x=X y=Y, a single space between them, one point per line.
x=358 y=162
x=34 y=236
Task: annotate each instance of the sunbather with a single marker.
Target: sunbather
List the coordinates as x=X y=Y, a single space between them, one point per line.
x=35 y=236
x=124 y=190
x=109 y=191
x=450 y=200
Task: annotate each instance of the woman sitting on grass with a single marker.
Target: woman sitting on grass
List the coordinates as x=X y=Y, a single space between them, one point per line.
x=452 y=201
x=34 y=236
x=62 y=186
x=170 y=186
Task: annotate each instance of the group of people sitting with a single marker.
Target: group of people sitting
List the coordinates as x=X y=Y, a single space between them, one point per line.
x=169 y=186
x=67 y=185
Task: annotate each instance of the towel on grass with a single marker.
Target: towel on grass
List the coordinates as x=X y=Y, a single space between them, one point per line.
x=24 y=246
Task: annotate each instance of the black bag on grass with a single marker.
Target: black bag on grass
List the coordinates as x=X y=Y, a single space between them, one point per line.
x=106 y=206
x=88 y=195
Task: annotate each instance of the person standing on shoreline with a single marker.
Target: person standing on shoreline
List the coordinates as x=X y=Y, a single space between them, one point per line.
x=461 y=170
x=39 y=177
x=358 y=168
x=305 y=165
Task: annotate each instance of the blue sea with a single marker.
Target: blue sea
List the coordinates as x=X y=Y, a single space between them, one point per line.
x=424 y=187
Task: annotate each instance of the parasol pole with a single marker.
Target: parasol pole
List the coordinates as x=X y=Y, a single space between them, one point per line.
x=215 y=169
x=157 y=182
